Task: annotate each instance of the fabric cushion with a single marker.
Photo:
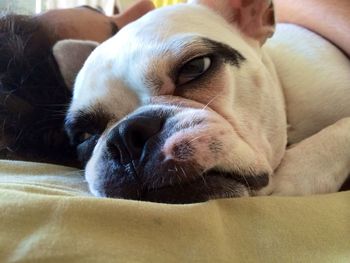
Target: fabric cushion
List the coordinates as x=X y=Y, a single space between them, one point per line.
x=47 y=215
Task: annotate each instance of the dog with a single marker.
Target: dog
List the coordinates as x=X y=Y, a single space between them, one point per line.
x=195 y=102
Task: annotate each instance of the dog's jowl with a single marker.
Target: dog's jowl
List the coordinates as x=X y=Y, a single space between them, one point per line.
x=204 y=104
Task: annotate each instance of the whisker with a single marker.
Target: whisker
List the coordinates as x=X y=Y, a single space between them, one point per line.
x=183 y=171
x=204 y=181
x=198 y=137
x=54 y=105
x=3 y=126
x=180 y=179
x=214 y=98
x=245 y=179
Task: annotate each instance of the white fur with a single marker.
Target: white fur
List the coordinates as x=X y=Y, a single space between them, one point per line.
x=315 y=78
x=296 y=66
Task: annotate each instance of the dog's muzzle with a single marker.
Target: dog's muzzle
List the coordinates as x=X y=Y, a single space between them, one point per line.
x=165 y=154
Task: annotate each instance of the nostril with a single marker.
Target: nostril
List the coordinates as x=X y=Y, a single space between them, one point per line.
x=131 y=135
x=113 y=149
x=135 y=139
x=137 y=130
x=113 y=146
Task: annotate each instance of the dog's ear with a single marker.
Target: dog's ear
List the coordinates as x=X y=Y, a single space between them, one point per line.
x=70 y=56
x=254 y=18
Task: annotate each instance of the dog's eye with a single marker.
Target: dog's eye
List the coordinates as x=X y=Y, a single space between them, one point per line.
x=193 y=69
x=83 y=136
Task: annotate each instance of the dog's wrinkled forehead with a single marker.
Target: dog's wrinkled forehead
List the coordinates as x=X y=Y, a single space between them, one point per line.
x=141 y=59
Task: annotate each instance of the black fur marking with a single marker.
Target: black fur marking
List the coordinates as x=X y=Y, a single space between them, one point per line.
x=227 y=53
x=85 y=149
x=254 y=182
x=92 y=120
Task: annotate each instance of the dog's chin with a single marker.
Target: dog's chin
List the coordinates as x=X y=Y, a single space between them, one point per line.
x=210 y=185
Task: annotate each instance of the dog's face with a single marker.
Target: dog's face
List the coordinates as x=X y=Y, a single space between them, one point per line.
x=180 y=106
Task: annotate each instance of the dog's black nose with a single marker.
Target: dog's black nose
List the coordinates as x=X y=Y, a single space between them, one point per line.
x=133 y=134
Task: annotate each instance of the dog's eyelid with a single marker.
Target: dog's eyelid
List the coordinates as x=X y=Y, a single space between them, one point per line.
x=189 y=57
x=193 y=69
x=78 y=136
x=83 y=136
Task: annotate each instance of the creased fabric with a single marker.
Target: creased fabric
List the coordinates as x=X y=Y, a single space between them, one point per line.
x=47 y=215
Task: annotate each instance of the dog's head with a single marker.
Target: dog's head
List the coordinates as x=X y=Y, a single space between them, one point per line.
x=180 y=106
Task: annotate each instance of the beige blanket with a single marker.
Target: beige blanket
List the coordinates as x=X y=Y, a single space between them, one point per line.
x=47 y=215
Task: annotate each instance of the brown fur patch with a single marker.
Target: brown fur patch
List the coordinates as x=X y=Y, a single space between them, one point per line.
x=154 y=82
